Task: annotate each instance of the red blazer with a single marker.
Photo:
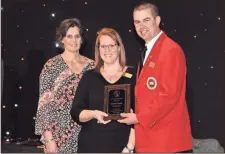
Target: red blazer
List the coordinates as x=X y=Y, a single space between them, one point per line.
x=160 y=106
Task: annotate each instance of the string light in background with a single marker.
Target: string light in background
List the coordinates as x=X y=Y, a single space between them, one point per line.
x=57 y=45
x=8 y=137
x=7 y=140
x=53 y=14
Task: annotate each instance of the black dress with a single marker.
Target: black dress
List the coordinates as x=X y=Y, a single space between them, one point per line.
x=94 y=137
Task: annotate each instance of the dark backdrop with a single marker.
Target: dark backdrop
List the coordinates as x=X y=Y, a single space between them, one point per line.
x=28 y=35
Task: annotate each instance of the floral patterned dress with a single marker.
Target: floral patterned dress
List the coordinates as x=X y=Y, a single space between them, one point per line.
x=58 y=85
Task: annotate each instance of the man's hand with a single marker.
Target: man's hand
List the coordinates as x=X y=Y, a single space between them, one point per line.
x=129 y=118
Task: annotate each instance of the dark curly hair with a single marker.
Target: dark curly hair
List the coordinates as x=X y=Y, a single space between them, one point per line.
x=63 y=28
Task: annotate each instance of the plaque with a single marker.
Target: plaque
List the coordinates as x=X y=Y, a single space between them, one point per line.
x=116 y=101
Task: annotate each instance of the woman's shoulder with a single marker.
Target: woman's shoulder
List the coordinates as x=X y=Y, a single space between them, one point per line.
x=53 y=61
x=91 y=72
x=131 y=69
x=130 y=73
x=89 y=62
x=52 y=64
x=90 y=75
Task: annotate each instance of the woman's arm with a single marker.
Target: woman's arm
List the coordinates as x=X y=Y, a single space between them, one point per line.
x=87 y=115
x=81 y=101
x=46 y=112
x=79 y=110
x=131 y=143
x=50 y=144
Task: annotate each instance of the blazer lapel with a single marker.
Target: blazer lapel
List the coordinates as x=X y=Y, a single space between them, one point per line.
x=152 y=57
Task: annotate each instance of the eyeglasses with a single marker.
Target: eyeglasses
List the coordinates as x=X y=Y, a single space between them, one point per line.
x=110 y=46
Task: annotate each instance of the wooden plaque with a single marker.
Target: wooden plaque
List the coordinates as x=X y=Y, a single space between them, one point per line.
x=116 y=100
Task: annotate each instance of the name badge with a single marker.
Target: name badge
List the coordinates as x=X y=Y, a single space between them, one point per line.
x=128 y=75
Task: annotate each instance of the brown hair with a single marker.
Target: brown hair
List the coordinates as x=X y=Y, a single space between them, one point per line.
x=147 y=5
x=116 y=37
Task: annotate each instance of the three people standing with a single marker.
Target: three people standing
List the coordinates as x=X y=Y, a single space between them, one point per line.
x=161 y=117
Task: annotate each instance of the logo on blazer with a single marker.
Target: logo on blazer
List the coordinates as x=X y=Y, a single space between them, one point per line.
x=151 y=64
x=151 y=83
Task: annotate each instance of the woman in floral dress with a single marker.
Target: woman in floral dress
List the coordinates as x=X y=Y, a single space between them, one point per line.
x=58 y=83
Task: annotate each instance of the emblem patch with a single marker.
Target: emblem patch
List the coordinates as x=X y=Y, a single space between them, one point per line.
x=151 y=83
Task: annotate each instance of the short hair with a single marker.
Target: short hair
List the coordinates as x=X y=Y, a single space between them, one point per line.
x=147 y=5
x=62 y=29
x=113 y=34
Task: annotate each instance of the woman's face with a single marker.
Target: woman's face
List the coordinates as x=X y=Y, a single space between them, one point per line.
x=109 y=50
x=72 y=40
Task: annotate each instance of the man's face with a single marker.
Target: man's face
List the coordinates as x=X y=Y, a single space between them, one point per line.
x=146 y=24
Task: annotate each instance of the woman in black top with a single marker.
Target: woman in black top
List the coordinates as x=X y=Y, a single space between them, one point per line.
x=96 y=134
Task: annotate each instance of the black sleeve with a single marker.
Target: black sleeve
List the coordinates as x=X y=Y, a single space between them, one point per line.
x=132 y=90
x=133 y=83
x=80 y=101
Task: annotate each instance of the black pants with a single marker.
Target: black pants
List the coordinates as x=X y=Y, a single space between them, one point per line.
x=187 y=151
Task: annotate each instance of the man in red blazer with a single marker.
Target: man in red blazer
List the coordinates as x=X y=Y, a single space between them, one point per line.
x=161 y=117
